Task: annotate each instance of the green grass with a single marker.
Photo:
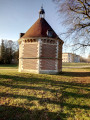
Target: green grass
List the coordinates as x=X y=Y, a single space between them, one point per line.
x=8 y=66
x=75 y=64
x=25 y=96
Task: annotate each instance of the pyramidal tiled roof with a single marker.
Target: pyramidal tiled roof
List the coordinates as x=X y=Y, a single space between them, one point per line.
x=39 y=29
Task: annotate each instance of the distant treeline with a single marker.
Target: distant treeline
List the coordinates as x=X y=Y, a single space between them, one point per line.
x=9 y=52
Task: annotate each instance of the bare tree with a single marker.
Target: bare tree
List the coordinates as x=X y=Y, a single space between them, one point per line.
x=9 y=51
x=76 y=16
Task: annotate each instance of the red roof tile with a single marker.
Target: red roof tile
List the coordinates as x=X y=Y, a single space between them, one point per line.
x=39 y=29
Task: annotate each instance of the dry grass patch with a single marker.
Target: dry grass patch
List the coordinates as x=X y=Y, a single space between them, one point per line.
x=25 y=96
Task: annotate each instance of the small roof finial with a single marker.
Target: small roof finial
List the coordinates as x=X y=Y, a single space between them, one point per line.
x=41 y=12
x=42 y=6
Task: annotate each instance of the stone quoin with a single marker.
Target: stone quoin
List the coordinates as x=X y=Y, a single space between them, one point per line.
x=40 y=48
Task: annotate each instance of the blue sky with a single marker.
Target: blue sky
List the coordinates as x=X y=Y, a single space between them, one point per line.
x=18 y=16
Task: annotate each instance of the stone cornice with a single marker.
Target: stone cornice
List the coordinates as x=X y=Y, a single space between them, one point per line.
x=37 y=38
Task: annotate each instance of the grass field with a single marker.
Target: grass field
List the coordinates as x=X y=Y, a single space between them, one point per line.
x=8 y=66
x=25 y=96
x=75 y=64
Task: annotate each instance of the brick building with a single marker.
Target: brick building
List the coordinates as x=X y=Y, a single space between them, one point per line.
x=40 y=49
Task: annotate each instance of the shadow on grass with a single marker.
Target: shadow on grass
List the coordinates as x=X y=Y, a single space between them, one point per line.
x=76 y=74
x=18 y=113
x=46 y=81
x=45 y=100
x=68 y=94
x=9 y=65
x=24 y=114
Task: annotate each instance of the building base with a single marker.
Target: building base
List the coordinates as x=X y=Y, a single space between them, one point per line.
x=41 y=71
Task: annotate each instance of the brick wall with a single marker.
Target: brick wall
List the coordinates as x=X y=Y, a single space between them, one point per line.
x=60 y=51
x=50 y=56
x=30 y=50
x=59 y=64
x=47 y=64
x=30 y=64
x=60 y=57
x=48 y=51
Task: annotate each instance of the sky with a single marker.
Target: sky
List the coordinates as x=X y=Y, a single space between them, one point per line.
x=17 y=16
